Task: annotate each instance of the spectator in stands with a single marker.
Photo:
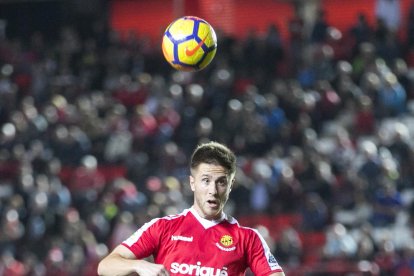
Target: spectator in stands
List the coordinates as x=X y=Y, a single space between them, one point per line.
x=297 y=40
x=364 y=121
x=339 y=243
x=320 y=28
x=387 y=204
x=389 y=11
x=366 y=244
x=87 y=182
x=361 y=31
x=288 y=193
x=9 y=265
x=315 y=214
x=363 y=61
x=289 y=247
x=370 y=167
x=405 y=265
x=386 y=257
x=273 y=50
x=399 y=68
x=241 y=194
x=260 y=191
x=274 y=116
x=392 y=97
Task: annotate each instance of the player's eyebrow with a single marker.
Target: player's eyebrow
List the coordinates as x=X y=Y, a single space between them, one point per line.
x=222 y=179
x=211 y=175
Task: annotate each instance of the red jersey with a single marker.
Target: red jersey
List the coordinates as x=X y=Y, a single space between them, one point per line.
x=187 y=244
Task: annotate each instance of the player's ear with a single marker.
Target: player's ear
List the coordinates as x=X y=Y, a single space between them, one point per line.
x=192 y=182
x=232 y=183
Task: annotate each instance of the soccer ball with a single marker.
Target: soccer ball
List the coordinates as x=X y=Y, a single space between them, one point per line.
x=189 y=43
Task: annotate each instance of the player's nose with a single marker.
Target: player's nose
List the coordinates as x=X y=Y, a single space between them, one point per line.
x=212 y=189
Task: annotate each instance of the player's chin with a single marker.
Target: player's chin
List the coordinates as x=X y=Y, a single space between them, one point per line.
x=212 y=214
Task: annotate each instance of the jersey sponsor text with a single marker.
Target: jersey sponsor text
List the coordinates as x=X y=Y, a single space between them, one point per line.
x=197 y=269
x=225 y=248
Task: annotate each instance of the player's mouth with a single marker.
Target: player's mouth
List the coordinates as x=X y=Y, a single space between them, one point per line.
x=214 y=204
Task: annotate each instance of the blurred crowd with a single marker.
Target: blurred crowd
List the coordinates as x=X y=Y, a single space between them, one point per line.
x=96 y=132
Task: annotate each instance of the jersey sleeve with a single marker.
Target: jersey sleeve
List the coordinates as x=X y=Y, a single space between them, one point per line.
x=144 y=242
x=260 y=260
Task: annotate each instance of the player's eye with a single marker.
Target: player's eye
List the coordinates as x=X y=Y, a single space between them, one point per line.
x=222 y=182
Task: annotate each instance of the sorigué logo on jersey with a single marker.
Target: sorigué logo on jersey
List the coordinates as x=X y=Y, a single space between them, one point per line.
x=197 y=269
x=226 y=243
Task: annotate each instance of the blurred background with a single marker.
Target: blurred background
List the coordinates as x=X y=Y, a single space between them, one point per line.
x=314 y=96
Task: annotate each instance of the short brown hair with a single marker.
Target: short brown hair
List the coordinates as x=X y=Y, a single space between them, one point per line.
x=214 y=153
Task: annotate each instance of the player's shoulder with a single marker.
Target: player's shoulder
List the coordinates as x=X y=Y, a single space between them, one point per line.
x=243 y=228
x=172 y=218
x=233 y=221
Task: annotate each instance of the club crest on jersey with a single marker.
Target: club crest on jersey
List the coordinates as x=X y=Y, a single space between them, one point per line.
x=226 y=243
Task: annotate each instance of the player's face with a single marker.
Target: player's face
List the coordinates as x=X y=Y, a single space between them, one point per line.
x=211 y=185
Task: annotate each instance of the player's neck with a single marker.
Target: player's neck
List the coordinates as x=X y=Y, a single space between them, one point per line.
x=219 y=217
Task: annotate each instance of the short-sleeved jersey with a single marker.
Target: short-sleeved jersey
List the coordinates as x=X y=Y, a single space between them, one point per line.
x=187 y=244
